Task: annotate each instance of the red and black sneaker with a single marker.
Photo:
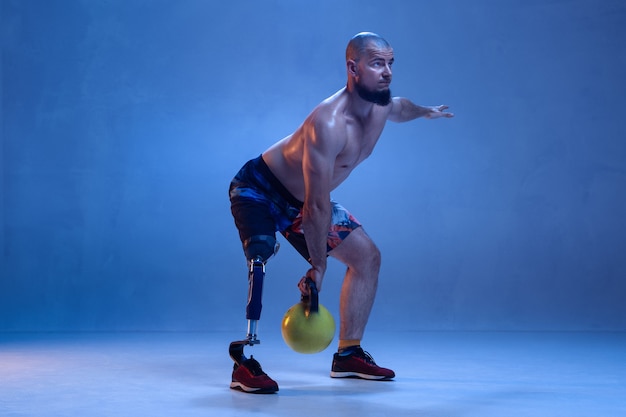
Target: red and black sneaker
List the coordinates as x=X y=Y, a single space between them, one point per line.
x=356 y=363
x=249 y=377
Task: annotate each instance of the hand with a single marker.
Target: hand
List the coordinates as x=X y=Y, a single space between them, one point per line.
x=316 y=276
x=437 y=112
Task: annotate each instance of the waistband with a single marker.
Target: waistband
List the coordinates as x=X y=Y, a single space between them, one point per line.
x=264 y=170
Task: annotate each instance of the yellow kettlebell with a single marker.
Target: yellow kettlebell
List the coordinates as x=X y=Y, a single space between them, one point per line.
x=308 y=327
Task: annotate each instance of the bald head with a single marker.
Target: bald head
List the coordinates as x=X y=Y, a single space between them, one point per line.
x=358 y=45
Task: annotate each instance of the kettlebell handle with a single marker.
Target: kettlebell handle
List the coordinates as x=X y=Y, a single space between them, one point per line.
x=311 y=301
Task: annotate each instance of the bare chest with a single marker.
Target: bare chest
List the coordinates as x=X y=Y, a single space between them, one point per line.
x=360 y=142
x=359 y=145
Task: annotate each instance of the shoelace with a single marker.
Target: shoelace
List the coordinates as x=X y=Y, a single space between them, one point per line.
x=359 y=352
x=254 y=366
x=368 y=358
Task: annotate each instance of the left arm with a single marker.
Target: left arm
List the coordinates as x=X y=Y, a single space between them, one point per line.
x=403 y=110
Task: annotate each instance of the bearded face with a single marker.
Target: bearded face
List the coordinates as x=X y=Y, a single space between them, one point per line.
x=380 y=97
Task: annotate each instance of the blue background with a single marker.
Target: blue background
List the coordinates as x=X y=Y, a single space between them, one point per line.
x=123 y=122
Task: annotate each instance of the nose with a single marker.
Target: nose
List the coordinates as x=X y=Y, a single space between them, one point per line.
x=387 y=71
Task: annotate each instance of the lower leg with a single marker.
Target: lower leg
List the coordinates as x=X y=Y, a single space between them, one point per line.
x=359 y=287
x=357 y=298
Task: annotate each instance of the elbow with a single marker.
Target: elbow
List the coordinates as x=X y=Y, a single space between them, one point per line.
x=316 y=210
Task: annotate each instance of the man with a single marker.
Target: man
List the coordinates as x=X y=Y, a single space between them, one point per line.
x=287 y=189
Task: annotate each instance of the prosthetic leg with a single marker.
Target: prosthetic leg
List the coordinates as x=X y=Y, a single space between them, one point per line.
x=258 y=250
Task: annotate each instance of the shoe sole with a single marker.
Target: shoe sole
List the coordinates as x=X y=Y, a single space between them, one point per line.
x=241 y=387
x=334 y=374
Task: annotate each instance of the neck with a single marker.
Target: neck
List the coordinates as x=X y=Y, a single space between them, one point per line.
x=358 y=107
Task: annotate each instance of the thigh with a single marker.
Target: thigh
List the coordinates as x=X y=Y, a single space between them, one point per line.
x=343 y=224
x=355 y=249
x=253 y=217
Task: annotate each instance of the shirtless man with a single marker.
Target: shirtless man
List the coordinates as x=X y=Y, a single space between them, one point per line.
x=287 y=189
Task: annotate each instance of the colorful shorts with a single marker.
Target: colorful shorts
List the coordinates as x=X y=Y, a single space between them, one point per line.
x=261 y=205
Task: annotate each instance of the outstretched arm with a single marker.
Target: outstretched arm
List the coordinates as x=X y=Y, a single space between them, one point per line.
x=403 y=110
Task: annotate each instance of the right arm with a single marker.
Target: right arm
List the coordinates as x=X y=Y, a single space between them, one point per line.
x=321 y=147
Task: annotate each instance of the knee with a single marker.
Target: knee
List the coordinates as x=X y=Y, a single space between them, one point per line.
x=359 y=253
x=369 y=258
x=376 y=258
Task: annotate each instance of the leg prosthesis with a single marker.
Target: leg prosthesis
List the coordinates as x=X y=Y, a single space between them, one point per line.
x=258 y=249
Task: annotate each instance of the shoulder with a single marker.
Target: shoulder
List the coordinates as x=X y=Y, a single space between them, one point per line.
x=325 y=129
x=328 y=118
x=395 y=107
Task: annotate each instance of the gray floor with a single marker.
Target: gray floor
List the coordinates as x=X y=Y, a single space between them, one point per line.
x=438 y=374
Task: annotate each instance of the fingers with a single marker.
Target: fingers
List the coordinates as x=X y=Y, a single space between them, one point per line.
x=314 y=275
x=440 y=111
x=304 y=289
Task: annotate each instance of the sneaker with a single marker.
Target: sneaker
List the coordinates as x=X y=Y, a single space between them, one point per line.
x=249 y=377
x=358 y=364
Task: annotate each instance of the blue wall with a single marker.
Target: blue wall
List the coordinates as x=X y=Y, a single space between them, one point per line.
x=123 y=122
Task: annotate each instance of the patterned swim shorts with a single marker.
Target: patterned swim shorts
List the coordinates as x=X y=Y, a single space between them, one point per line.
x=261 y=205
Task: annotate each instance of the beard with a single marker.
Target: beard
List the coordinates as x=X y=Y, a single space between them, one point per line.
x=382 y=98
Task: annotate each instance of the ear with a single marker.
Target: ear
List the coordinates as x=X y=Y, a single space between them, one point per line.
x=352 y=68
